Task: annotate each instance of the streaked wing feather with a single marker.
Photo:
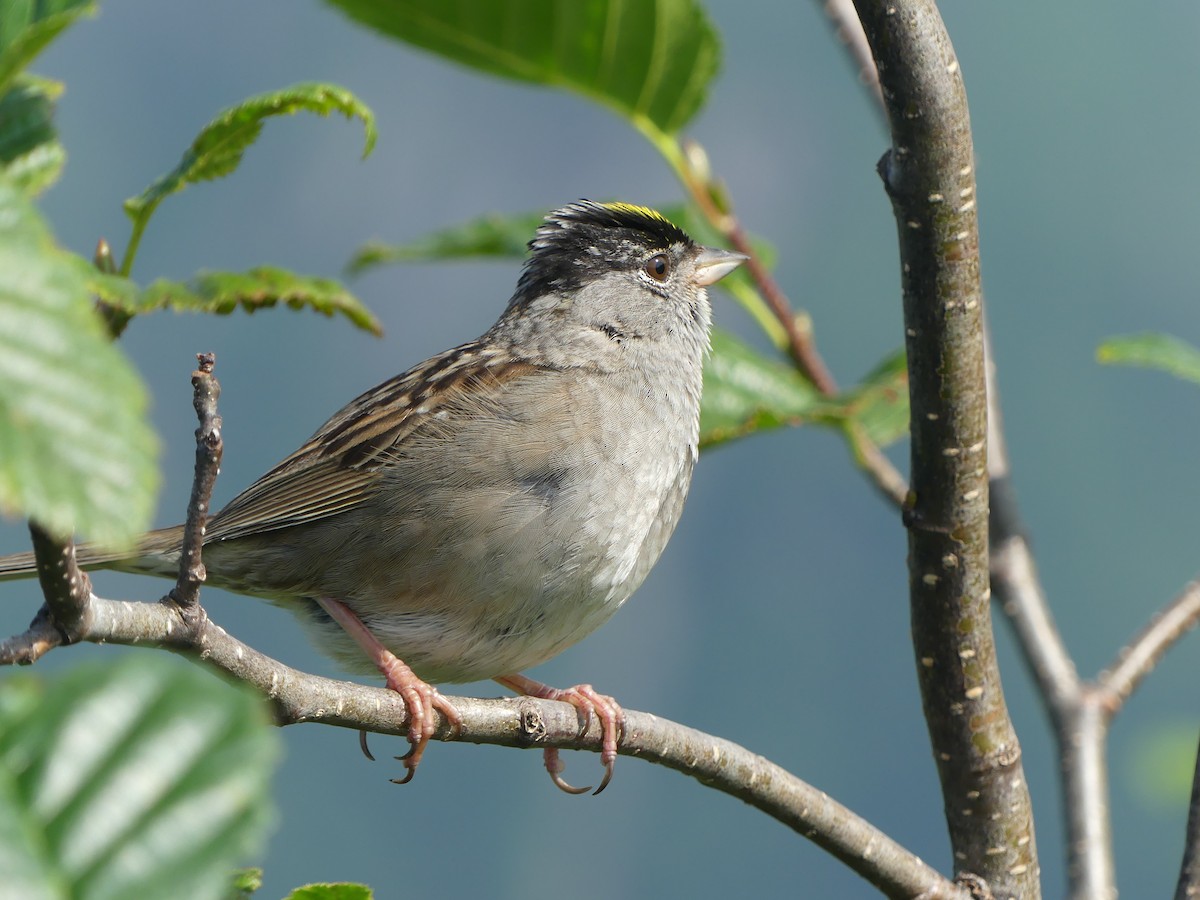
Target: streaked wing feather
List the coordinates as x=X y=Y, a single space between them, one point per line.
x=336 y=469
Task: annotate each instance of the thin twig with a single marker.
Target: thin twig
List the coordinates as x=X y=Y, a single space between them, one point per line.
x=1139 y=657
x=800 y=344
x=206 y=390
x=693 y=170
x=1015 y=582
x=849 y=31
x=1016 y=586
x=887 y=480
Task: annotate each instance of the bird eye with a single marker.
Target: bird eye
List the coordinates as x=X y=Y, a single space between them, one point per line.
x=658 y=267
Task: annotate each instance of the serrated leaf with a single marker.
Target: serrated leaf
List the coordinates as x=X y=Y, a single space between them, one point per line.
x=226 y=292
x=27 y=27
x=880 y=403
x=30 y=153
x=1155 y=351
x=745 y=392
x=219 y=146
x=650 y=60
x=76 y=452
x=339 y=891
x=146 y=778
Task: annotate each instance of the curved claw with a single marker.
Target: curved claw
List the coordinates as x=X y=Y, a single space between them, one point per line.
x=410 y=761
x=362 y=743
x=407 y=777
x=608 y=773
x=555 y=766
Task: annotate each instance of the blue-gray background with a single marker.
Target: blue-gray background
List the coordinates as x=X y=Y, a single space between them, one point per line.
x=778 y=616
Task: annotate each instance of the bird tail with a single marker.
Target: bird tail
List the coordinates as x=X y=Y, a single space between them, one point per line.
x=155 y=553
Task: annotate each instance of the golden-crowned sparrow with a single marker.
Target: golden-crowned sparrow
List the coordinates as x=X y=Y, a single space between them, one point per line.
x=493 y=505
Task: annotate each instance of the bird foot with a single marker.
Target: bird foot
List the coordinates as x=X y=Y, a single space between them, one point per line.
x=588 y=702
x=421 y=699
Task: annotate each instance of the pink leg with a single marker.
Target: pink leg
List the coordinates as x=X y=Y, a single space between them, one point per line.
x=420 y=699
x=588 y=702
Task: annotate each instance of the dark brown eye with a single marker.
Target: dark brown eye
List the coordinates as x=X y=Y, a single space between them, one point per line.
x=658 y=267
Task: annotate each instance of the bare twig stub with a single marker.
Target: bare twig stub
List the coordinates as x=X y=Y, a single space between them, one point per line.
x=929 y=176
x=206 y=390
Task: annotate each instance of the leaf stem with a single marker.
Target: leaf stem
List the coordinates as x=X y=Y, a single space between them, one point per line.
x=135 y=238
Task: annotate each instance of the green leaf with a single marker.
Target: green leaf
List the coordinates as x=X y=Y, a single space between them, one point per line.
x=650 y=60
x=745 y=392
x=226 y=292
x=1155 y=351
x=147 y=779
x=76 y=452
x=30 y=153
x=26 y=27
x=339 y=891
x=245 y=883
x=489 y=236
x=219 y=146
x=880 y=403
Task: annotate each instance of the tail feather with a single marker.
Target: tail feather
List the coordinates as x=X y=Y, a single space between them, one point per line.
x=155 y=553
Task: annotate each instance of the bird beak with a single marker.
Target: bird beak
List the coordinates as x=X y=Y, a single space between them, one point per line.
x=712 y=264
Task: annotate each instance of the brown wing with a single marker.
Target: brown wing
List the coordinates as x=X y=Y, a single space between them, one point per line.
x=336 y=469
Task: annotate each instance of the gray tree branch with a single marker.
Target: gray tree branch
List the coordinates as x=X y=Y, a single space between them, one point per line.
x=519 y=722
x=929 y=176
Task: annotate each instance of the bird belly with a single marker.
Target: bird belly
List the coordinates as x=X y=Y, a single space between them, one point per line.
x=496 y=552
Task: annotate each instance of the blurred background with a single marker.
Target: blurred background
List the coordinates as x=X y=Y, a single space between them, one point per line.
x=778 y=616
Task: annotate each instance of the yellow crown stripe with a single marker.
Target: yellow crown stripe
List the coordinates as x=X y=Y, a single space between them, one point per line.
x=636 y=210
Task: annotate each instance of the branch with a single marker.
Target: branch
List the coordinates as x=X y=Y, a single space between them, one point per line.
x=1188 y=887
x=1015 y=582
x=525 y=722
x=206 y=390
x=691 y=164
x=929 y=177
x=1139 y=657
x=849 y=31
x=65 y=586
